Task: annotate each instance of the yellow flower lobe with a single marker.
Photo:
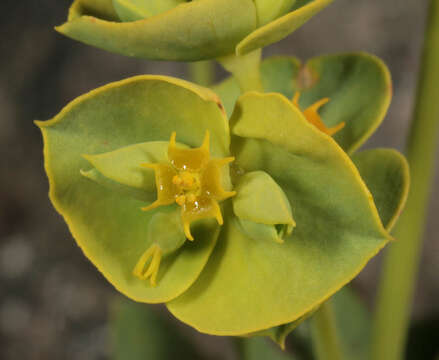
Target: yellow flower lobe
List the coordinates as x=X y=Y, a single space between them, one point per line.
x=312 y=115
x=193 y=180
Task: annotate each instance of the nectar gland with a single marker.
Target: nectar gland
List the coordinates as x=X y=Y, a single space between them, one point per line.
x=193 y=180
x=311 y=114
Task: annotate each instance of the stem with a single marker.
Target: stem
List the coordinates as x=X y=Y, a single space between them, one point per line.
x=246 y=70
x=324 y=333
x=201 y=72
x=239 y=346
x=396 y=286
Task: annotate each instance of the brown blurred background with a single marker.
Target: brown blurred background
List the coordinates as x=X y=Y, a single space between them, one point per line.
x=53 y=303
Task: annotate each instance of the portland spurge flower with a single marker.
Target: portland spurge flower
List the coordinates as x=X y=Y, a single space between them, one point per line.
x=277 y=214
x=192 y=179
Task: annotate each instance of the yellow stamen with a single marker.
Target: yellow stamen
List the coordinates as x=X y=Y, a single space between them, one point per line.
x=187 y=230
x=152 y=256
x=187 y=180
x=176 y=180
x=154 y=205
x=191 y=198
x=180 y=200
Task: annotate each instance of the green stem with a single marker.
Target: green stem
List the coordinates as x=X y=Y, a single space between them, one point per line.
x=239 y=346
x=396 y=287
x=246 y=70
x=324 y=333
x=201 y=72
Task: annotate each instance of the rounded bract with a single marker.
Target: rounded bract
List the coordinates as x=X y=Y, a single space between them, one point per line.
x=231 y=279
x=185 y=30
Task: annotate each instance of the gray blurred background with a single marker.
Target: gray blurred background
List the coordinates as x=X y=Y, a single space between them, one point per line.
x=53 y=303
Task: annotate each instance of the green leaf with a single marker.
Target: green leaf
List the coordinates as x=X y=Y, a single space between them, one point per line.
x=171 y=35
x=281 y=27
x=229 y=91
x=140 y=332
x=258 y=348
x=114 y=186
x=358 y=86
x=386 y=174
x=337 y=232
x=181 y=30
x=102 y=9
x=279 y=74
x=279 y=333
x=123 y=166
x=268 y=10
x=132 y=10
x=110 y=228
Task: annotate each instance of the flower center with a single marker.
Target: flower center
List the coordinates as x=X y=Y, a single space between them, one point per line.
x=188 y=187
x=193 y=180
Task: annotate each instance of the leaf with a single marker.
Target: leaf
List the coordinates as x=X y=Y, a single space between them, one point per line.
x=109 y=228
x=132 y=10
x=102 y=9
x=358 y=86
x=353 y=322
x=279 y=333
x=386 y=174
x=280 y=28
x=116 y=187
x=268 y=10
x=171 y=35
x=142 y=333
x=123 y=166
x=337 y=232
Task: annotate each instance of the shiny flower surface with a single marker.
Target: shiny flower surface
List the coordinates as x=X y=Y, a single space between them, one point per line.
x=191 y=179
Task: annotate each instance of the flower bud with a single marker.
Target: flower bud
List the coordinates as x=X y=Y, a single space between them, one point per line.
x=262 y=207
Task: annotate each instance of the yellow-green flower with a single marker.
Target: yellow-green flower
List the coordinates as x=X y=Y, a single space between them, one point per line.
x=191 y=179
x=275 y=232
x=186 y=30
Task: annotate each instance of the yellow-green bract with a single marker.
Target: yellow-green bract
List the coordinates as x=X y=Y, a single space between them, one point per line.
x=186 y=30
x=225 y=282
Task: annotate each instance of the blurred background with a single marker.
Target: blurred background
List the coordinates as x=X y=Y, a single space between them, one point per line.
x=53 y=303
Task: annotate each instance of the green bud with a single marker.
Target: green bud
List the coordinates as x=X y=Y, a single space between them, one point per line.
x=262 y=208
